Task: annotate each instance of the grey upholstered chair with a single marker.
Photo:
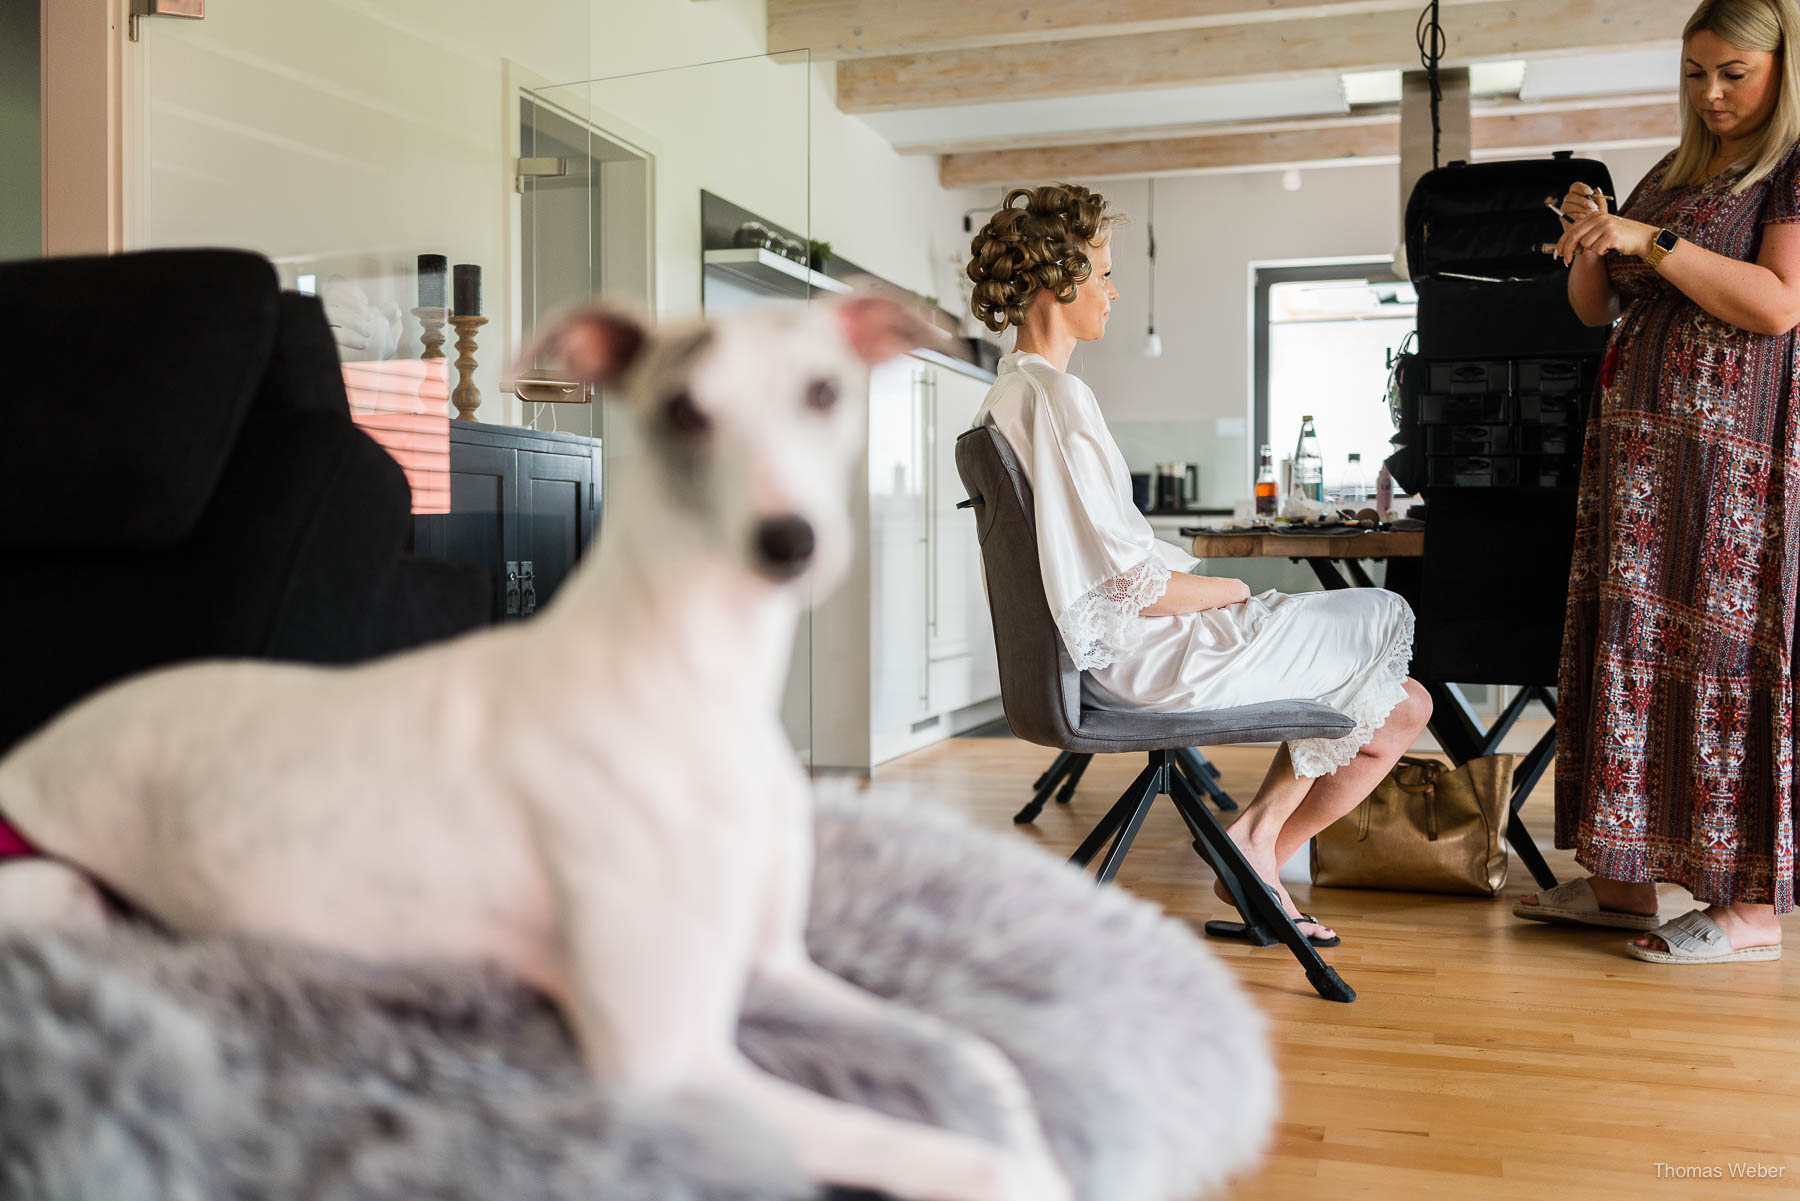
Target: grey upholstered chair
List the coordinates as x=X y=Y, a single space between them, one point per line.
x=1041 y=691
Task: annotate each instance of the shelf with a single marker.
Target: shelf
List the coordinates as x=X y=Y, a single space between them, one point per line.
x=770 y=272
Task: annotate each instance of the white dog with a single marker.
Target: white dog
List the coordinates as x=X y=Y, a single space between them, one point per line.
x=602 y=800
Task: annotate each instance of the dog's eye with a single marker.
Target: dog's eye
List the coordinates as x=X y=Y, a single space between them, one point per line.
x=683 y=416
x=821 y=396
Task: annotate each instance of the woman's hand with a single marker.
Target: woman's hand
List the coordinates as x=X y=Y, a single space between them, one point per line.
x=1596 y=231
x=1228 y=590
x=1583 y=201
x=1194 y=593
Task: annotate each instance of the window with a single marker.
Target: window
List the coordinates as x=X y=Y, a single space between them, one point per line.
x=1323 y=337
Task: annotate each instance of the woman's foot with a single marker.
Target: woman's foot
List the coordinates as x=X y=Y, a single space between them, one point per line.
x=1615 y=896
x=1745 y=925
x=1262 y=859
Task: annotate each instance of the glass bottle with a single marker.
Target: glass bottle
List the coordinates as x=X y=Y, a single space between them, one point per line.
x=1267 y=491
x=1309 y=464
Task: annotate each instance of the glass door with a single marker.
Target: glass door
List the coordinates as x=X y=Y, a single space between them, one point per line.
x=679 y=192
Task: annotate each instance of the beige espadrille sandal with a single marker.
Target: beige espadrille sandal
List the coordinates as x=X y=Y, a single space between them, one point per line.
x=1695 y=938
x=1573 y=901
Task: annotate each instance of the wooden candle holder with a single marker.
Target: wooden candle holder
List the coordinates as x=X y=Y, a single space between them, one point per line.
x=466 y=397
x=432 y=318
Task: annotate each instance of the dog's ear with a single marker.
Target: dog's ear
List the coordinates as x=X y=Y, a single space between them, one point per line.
x=877 y=328
x=597 y=344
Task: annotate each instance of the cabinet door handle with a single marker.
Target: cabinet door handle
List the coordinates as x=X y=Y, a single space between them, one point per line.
x=512 y=588
x=527 y=589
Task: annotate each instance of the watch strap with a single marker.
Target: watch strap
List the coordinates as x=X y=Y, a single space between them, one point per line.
x=1661 y=244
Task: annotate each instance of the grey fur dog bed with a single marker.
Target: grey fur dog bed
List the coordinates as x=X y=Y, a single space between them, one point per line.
x=137 y=1069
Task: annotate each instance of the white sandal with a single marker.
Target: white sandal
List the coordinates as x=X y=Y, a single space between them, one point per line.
x=1695 y=938
x=1574 y=901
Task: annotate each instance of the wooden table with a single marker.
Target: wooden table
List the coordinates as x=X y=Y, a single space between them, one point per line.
x=1453 y=723
x=1322 y=553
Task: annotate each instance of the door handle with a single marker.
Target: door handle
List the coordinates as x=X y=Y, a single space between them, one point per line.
x=512 y=588
x=527 y=589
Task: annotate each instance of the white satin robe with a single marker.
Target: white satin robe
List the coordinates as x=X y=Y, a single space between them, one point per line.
x=1102 y=563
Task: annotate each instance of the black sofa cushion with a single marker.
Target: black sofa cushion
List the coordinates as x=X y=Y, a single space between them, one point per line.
x=288 y=539
x=136 y=377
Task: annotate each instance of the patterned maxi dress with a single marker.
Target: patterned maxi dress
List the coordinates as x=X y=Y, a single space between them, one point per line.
x=1676 y=749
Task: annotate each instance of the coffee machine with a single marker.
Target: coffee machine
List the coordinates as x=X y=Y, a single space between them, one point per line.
x=1175 y=487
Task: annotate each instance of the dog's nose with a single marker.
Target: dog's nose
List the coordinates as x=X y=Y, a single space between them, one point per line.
x=784 y=544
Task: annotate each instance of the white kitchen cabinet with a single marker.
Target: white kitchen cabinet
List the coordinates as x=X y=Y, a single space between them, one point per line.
x=959 y=633
x=904 y=651
x=900 y=551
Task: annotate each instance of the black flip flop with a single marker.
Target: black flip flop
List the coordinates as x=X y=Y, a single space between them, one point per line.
x=1239 y=932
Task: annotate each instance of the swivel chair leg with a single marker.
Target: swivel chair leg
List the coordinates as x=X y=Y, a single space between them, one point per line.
x=1131 y=805
x=1035 y=805
x=1067 y=771
x=1265 y=920
x=1153 y=787
x=1204 y=776
x=1078 y=764
x=1054 y=771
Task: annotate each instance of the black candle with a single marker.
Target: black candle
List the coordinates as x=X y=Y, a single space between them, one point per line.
x=468 y=290
x=432 y=268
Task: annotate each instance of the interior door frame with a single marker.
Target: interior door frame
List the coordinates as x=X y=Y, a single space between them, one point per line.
x=517 y=84
x=91 y=87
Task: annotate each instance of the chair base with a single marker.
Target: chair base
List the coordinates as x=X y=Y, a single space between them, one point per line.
x=1068 y=767
x=1265 y=921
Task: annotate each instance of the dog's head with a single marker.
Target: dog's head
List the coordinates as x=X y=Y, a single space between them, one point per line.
x=751 y=422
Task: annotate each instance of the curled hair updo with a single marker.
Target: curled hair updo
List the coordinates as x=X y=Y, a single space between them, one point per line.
x=1040 y=243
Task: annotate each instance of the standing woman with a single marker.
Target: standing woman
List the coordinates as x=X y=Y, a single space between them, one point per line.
x=1676 y=698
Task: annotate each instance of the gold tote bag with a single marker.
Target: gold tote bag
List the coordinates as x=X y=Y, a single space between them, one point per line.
x=1427 y=827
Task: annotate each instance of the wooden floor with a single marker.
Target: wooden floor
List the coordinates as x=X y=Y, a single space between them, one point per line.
x=1484 y=1057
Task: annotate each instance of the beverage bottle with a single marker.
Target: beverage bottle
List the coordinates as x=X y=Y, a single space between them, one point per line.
x=1353 y=491
x=1384 y=494
x=1309 y=465
x=1267 y=491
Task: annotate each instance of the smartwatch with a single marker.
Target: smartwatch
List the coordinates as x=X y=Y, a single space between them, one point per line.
x=1660 y=246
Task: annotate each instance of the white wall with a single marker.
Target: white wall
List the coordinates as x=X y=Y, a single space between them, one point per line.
x=344 y=137
x=348 y=136
x=763 y=135
x=1194 y=403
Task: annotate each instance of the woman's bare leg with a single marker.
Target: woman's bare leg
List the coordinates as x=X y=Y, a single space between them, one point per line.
x=1286 y=812
x=1337 y=794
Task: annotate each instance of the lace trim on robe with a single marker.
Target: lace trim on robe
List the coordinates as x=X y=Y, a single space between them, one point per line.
x=1106 y=625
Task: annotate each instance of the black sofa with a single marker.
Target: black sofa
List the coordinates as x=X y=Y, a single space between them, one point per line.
x=184 y=481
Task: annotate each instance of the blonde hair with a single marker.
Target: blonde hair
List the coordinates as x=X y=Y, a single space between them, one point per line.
x=1040 y=244
x=1768 y=25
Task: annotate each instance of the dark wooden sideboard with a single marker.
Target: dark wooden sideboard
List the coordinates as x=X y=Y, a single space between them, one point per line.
x=524 y=505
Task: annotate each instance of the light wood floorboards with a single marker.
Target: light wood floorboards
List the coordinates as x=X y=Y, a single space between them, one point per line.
x=1485 y=1057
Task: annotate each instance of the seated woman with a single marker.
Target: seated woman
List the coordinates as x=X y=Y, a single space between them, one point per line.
x=1146 y=633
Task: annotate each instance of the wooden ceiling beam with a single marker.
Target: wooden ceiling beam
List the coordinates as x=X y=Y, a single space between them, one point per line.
x=1278 y=144
x=1361 y=115
x=839 y=29
x=1496 y=29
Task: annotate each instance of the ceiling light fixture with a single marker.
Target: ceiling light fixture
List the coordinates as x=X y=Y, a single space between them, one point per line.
x=1152 y=343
